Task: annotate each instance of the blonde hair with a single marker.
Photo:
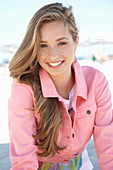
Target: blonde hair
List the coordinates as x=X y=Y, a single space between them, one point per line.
x=24 y=67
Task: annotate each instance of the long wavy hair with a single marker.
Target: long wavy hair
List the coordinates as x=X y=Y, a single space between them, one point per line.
x=24 y=67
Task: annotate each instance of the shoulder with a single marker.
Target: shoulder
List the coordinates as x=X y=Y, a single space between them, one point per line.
x=21 y=93
x=21 y=86
x=94 y=78
x=92 y=73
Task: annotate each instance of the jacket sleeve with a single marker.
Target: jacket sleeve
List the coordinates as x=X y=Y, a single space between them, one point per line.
x=22 y=123
x=103 y=128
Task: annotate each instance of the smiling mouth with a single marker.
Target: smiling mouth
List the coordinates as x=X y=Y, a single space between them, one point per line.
x=55 y=64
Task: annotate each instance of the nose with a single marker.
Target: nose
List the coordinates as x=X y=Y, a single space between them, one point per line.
x=53 y=52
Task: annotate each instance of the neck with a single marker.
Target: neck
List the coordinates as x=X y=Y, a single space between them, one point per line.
x=64 y=84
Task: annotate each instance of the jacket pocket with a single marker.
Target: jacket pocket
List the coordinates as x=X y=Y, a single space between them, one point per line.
x=85 y=118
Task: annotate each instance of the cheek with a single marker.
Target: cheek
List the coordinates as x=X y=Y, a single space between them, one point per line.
x=71 y=52
x=41 y=62
x=41 y=59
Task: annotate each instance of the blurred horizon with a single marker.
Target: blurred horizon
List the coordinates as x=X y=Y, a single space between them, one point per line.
x=94 y=20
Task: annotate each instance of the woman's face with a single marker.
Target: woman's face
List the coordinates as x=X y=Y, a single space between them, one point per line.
x=57 y=49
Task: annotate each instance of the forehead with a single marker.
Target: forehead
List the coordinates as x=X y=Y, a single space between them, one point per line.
x=54 y=30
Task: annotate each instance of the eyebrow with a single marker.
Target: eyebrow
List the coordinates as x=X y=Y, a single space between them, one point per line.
x=62 y=38
x=56 y=40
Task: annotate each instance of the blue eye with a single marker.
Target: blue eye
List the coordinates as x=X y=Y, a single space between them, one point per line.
x=43 y=45
x=62 y=43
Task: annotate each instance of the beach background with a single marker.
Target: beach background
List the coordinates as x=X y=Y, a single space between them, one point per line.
x=95 y=23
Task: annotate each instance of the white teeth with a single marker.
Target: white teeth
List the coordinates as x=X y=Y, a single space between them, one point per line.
x=55 y=64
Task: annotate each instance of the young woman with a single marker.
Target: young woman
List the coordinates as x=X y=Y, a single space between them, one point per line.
x=56 y=105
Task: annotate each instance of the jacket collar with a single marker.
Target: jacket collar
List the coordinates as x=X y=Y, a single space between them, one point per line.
x=49 y=89
x=80 y=82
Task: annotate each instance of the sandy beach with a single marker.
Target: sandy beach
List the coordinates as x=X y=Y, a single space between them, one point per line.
x=5 y=84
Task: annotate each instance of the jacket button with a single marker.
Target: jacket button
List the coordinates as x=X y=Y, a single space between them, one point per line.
x=76 y=153
x=73 y=135
x=88 y=111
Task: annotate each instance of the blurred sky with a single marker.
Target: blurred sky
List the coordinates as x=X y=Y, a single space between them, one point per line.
x=91 y=16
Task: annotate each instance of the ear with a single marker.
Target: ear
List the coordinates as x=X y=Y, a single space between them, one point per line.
x=76 y=42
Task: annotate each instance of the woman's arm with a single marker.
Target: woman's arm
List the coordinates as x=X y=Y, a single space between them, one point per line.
x=21 y=128
x=103 y=129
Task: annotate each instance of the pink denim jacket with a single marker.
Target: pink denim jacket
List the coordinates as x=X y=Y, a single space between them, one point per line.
x=92 y=114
